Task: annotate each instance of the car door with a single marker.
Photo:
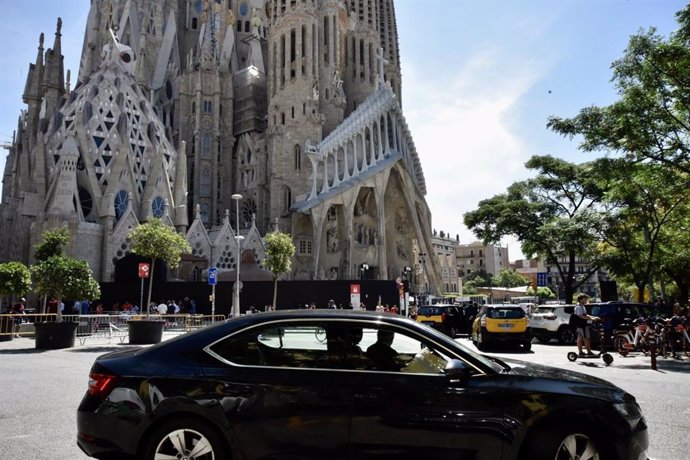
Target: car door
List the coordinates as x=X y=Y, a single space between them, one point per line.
x=282 y=397
x=416 y=412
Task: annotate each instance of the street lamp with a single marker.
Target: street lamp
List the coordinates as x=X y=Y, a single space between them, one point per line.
x=236 y=301
x=406 y=285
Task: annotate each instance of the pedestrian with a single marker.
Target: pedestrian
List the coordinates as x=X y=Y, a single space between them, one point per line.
x=52 y=306
x=18 y=310
x=393 y=309
x=581 y=323
x=162 y=308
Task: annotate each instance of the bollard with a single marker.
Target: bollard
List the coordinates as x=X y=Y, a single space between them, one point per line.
x=652 y=349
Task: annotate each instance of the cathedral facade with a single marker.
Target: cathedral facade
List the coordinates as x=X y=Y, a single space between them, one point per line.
x=181 y=107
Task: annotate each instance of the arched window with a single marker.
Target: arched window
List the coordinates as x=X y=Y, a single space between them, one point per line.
x=205 y=181
x=158 y=207
x=120 y=203
x=206 y=146
x=287 y=200
x=298 y=157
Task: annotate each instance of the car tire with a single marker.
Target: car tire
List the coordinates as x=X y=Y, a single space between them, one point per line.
x=566 y=335
x=452 y=332
x=567 y=442
x=194 y=440
x=527 y=346
x=544 y=338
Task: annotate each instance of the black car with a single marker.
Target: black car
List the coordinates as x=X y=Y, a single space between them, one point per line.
x=267 y=386
x=614 y=314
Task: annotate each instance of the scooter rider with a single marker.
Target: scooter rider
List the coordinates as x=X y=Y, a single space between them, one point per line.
x=582 y=326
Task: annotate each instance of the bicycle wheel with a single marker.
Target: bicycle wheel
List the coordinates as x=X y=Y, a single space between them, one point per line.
x=320 y=334
x=621 y=344
x=686 y=346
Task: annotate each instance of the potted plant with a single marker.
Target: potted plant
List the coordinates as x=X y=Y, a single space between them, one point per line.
x=154 y=240
x=15 y=279
x=59 y=275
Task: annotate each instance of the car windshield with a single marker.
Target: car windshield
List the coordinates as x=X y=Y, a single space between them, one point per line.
x=505 y=313
x=431 y=311
x=544 y=310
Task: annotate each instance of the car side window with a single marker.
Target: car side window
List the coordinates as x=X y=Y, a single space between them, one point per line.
x=290 y=344
x=331 y=345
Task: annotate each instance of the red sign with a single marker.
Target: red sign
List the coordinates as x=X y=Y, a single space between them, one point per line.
x=354 y=289
x=143 y=270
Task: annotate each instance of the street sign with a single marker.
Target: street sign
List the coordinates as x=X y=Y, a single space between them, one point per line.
x=143 y=270
x=541 y=279
x=212 y=275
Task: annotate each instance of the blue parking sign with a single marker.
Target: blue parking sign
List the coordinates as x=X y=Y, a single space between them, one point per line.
x=541 y=279
x=212 y=275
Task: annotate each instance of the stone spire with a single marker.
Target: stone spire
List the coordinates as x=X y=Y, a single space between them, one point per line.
x=180 y=188
x=35 y=75
x=54 y=76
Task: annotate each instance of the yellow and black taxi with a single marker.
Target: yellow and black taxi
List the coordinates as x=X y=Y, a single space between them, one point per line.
x=446 y=318
x=501 y=324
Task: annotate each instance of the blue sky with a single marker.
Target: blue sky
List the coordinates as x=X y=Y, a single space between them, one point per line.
x=480 y=78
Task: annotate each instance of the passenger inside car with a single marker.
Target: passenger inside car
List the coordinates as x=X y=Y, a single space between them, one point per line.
x=382 y=355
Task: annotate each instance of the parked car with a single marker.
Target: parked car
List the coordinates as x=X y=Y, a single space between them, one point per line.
x=551 y=321
x=447 y=318
x=264 y=386
x=614 y=314
x=501 y=323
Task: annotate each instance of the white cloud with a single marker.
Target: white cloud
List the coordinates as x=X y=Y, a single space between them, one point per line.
x=464 y=130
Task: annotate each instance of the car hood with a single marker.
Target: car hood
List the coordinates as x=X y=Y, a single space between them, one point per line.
x=526 y=369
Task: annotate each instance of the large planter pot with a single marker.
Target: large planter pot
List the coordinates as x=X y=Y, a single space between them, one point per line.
x=6 y=328
x=53 y=335
x=145 y=331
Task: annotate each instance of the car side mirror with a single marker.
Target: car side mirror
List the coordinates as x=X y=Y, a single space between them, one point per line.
x=457 y=372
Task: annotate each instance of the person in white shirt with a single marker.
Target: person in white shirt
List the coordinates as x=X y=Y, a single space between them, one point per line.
x=162 y=308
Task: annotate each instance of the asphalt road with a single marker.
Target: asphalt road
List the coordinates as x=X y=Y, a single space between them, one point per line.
x=42 y=389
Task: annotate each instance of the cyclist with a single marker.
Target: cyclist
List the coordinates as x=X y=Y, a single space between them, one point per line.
x=582 y=326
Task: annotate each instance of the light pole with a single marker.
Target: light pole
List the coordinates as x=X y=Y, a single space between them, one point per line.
x=236 y=301
x=406 y=288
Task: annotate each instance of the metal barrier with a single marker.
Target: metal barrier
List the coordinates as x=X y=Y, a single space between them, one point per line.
x=105 y=327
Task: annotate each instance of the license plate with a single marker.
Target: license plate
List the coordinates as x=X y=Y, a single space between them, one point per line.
x=506 y=325
x=428 y=322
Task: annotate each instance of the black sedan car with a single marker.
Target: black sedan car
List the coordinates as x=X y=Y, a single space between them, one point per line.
x=270 y=386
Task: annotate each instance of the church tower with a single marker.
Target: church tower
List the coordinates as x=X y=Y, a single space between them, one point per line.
x=297 y=96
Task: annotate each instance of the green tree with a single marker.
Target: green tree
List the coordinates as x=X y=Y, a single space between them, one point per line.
x=62 y=276
x=554 y=216
x=510 y=278
x=59 y=275
x=542 y=292
x=157 y=241
x=644 y=199
x=278 y=260
x=15 y=279
x=649 y=122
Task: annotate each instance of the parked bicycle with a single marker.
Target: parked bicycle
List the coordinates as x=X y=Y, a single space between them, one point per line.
x=633 y=336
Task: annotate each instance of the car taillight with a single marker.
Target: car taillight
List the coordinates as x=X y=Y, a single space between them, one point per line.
x=100 y=384
x=444 y=317
x=550 y=317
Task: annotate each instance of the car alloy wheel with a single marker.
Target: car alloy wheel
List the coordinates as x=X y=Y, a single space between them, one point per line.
x=190 y=440
x=567 y=442
x=577 y=446
x=566 y=336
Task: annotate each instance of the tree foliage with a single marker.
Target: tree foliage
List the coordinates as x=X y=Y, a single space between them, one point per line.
x=509 y=278
x=59 y=275
x=15 y=279
x=62 y=276
x=279 y=252
x=650 y=120
x=157 y=241
x=553 y=215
